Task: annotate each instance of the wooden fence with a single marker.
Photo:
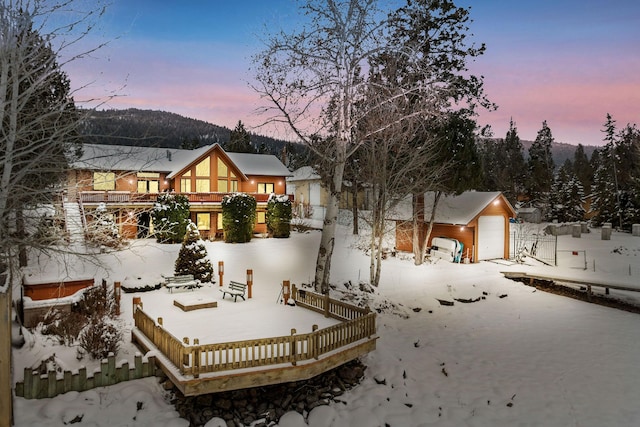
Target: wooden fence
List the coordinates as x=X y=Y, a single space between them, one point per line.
x=194 y=359
x=39 y=386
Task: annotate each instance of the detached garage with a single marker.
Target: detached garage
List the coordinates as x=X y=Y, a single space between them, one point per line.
x=479 y=220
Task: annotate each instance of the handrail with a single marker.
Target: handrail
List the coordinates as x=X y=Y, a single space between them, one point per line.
x=133 y=197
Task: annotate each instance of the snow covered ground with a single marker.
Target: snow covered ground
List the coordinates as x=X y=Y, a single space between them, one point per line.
x=517 y=357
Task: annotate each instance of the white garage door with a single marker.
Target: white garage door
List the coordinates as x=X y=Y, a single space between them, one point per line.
x=490 y=237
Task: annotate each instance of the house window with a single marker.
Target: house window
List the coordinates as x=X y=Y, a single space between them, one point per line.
x=262 y=217
x=233 y=186
x=265 y=188
x=185 y=185
x=223 y=185
x=219 y=222
x=203 y=185
x=222 y=169
x=203 y=168
x=203 y=220
x=148 y=186
x=104 y=181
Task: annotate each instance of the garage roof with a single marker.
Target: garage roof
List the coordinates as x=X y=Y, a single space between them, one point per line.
x=451 y=209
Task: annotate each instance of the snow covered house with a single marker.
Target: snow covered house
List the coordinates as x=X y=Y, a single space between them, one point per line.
x=479 y=220
x=312 y=197
x=128 y=180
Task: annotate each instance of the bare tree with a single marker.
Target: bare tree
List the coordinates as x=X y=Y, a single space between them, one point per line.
x=38 y=134
x=314 y=78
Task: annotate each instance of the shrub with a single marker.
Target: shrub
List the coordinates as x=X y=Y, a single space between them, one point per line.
x=170 y=217
x=238 y=217
x=100 y=337
x=279 y=216
x=103 y=230
x=192 y=258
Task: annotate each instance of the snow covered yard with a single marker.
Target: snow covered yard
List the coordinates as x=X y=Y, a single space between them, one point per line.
x=517 y=356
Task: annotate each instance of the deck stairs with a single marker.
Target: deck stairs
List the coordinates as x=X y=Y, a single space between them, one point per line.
x=74 y=224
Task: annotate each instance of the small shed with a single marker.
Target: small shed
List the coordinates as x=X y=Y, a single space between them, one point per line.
x=477 y=219
x=531 y=214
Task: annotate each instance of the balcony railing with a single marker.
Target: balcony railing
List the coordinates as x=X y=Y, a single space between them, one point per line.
x=133 y=197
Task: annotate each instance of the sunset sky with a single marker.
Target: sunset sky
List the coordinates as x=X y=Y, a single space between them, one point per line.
x=569 y=62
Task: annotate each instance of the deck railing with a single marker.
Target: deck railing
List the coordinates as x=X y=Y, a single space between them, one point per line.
x=195 y=358
x=133 y=197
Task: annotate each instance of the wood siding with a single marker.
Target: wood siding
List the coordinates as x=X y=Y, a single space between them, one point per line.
x=466 y=234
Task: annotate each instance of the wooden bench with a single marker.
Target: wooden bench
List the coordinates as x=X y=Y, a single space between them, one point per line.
x=235 y=289
x=183 y=281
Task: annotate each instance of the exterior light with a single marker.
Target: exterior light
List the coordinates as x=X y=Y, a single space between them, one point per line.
x=496 y=202
x=462 y=228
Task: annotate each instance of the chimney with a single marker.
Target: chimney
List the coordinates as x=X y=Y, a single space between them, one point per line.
x=168 y=155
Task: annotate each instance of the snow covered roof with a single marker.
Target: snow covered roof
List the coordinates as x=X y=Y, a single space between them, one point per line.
x=305 y=173
x=170 y=160
x=259 y=164
x=451 y=209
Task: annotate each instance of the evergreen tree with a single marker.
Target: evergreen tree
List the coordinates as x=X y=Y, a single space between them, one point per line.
x=193 y=257
x=170 y=217
x=239 y=140
x=582 y=168
x=541 y=167
x=39 y=126
x=514 y=166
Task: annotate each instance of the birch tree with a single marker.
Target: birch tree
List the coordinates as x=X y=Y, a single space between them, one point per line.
x=312 y=77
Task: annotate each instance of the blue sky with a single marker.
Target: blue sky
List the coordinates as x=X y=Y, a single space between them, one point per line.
x=566 y=61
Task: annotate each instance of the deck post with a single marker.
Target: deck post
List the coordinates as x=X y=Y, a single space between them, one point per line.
x=185 y=354
x=249 y=281
x=196 y=358
x=326 y=304
x=314 y=342
x=137 y=302
x=293 y=347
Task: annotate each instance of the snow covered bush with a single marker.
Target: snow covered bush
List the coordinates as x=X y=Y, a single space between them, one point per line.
x=279 y=215
x=100 y=337
x=238 y=217
x=192 y=258
x=170 y=217
x=90 y=323
x=102 y=230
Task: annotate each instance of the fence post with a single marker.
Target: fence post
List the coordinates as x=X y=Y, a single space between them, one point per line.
x=185 y=355
x=249 y=281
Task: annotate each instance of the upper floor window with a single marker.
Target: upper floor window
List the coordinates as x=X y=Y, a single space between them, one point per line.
x=265 y=187
x=223 y=170
x=104 y=181
x=204 y=167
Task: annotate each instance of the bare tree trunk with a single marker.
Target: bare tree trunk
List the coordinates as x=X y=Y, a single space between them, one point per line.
x=354 y=208
x=6 y=382
x=432 y=218
x=327 y=240
x=417 y=204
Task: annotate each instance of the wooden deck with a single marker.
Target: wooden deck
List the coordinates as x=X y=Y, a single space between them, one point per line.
x=588 y=283
x=197 y=368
